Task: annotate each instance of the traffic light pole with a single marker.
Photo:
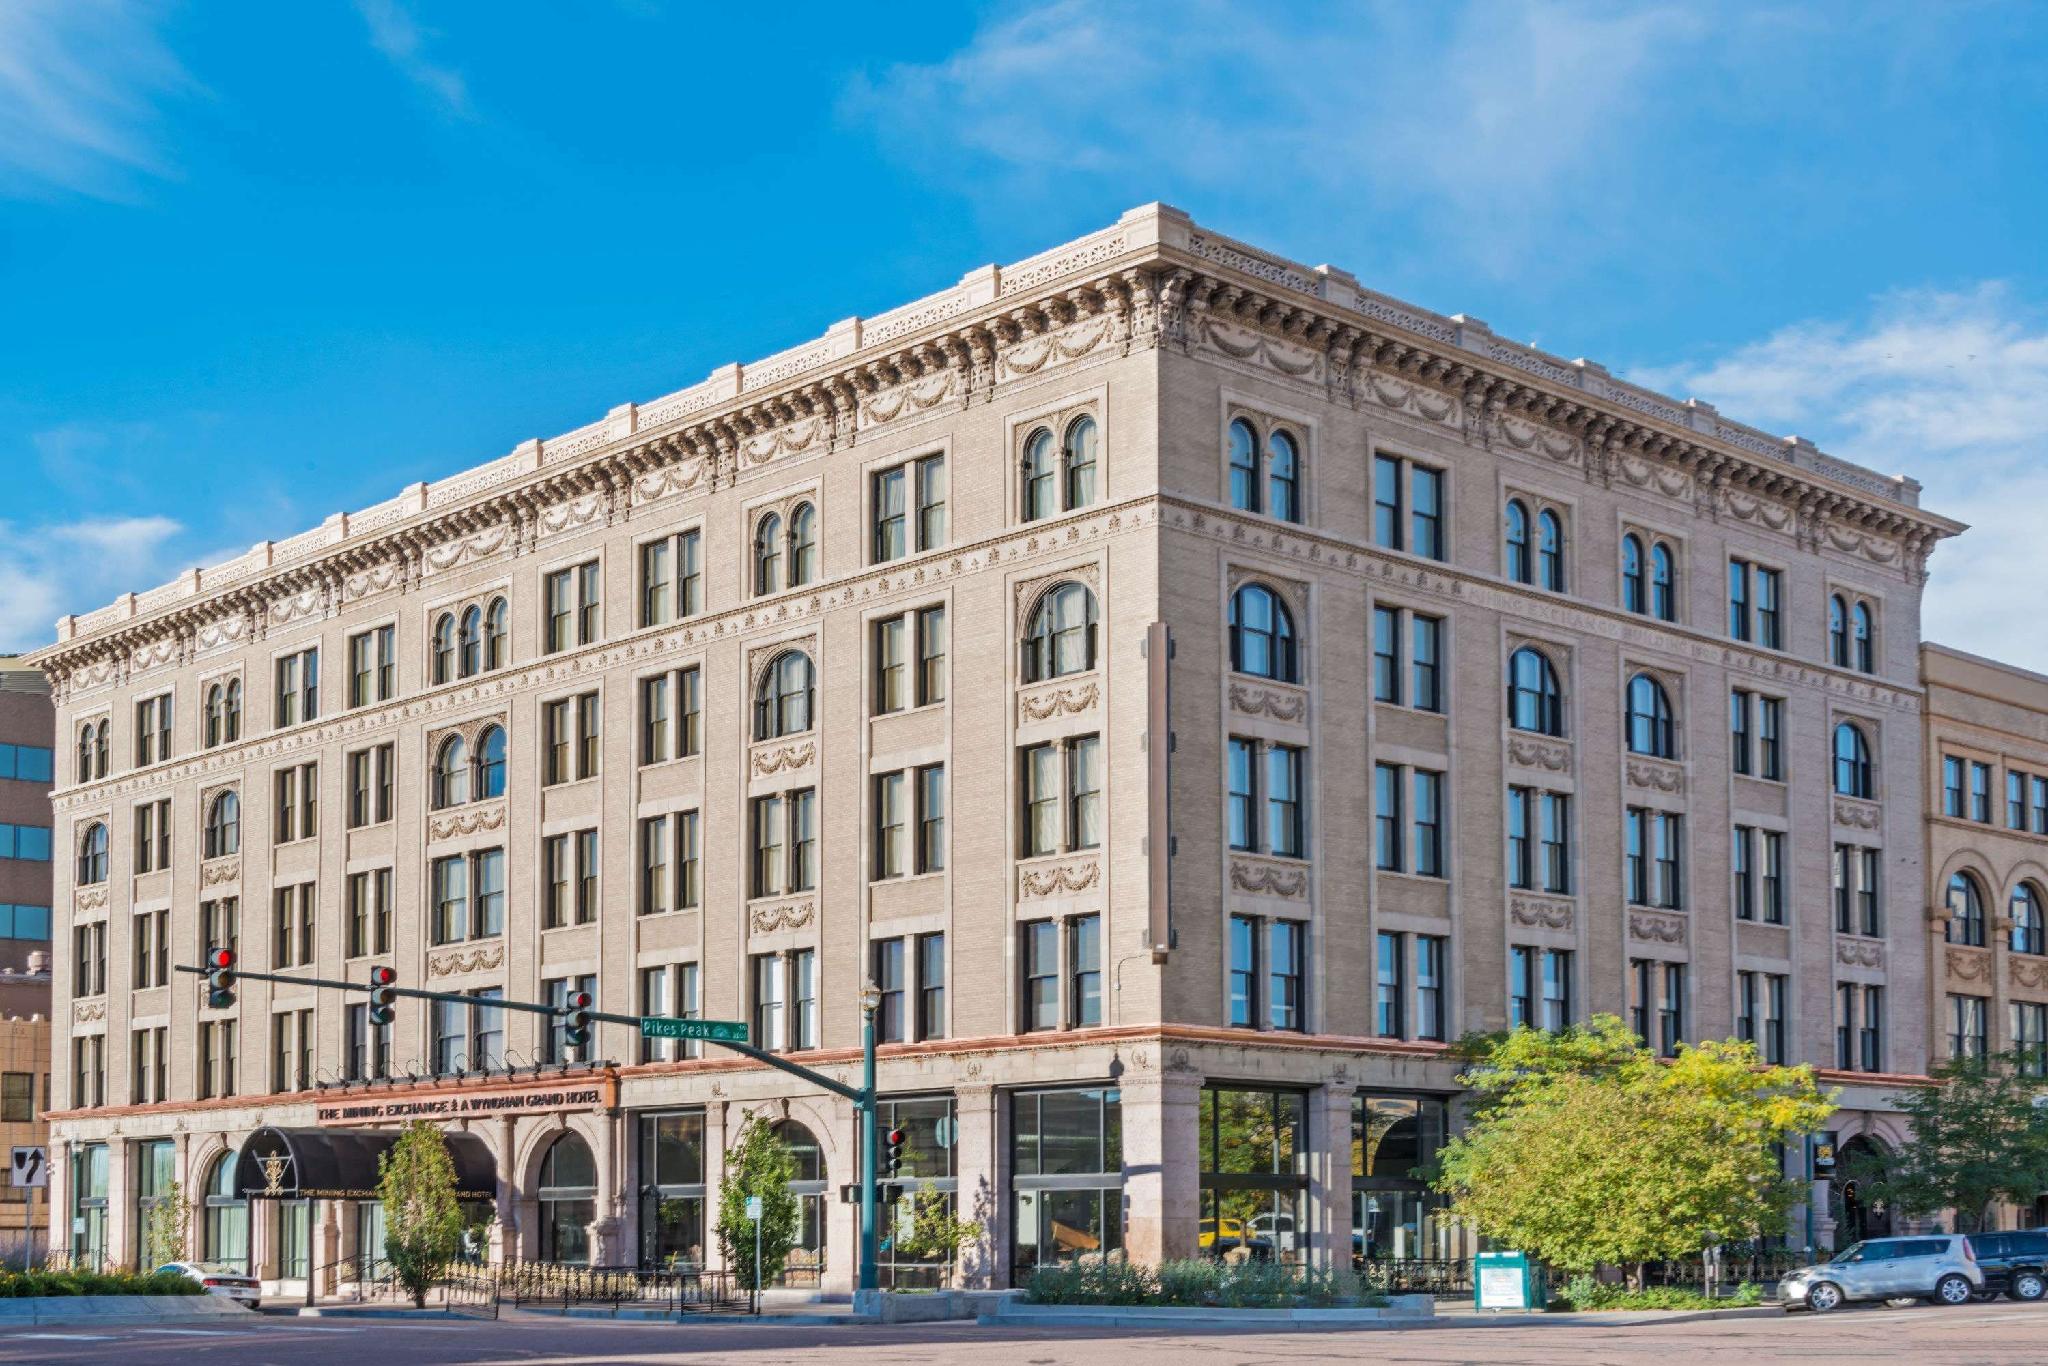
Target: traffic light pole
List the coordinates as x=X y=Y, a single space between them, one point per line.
x=863 y=1098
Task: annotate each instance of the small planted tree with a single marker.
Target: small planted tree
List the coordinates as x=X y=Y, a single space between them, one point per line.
x=422 y=1219
x=760 y=1164
x=163 y=1237
x=936 y=1233
x=1585 y=1149
x=1977 y=1138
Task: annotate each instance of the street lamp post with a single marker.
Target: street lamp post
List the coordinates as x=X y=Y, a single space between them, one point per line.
x=870 y=1002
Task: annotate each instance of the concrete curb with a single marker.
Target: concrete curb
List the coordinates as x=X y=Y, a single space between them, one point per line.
x=42 y=1309
x=1405 y=1311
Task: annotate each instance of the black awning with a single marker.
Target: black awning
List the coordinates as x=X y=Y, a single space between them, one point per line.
x=341 y=1164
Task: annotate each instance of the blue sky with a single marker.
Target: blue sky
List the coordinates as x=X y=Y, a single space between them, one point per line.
x=262 y=262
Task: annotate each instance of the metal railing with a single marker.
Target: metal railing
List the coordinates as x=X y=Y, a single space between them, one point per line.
x=1764 y=1267
x=543 y=1285
x=1440 y=1276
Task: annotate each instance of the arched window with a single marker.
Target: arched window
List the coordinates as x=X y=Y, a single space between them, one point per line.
x=1635 y=595
x=495 y=622
x=782 y=706
x=231 y=712
x=2027 y=929
x=224 y=826
x=451 y=773
x=92 y=855
x=1663 y=584
x=1262 y=635
x=1060 y=637
x=1518 y=542
x=471 y=643
x=1080 y=463
x=768 y=554
x=568 y=1200
x=490 y=763
x=1860 y=639
x=1283 y=477
x=1041 y=479
x=444 y=647
x=225 y=1231
x=1965 y=911
x=1649 y=718
x=1244 y=466
x=1535 y=702
x=1838 y=630
x=101 y=740
x=1852 y=762
x=803 y=544
x=216 y=712
x=807 y=1183
x=85 y=753
x=1550 y=551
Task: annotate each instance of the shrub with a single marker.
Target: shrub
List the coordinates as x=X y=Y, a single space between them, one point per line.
x=1584 y=1293
x=1199 y=1283
x=16 y=1285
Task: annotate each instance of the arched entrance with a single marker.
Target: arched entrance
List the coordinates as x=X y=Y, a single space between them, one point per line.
x=807 y=1259
x=568 y=1200
x=1861 y=1164
x=224 y=1232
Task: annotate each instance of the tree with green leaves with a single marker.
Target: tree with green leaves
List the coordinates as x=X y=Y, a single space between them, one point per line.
x=1584 y=1149
x=760 y=1164
x=163 y=1235
x=1978 y=1137
x=422 y=1218
x=936 y=1232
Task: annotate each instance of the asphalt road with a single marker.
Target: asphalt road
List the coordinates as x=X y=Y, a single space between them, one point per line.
x=1995 y=1332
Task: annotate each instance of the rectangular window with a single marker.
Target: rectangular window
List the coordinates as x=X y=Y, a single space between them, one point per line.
x=1748 y=1007
x=291 y=926
x=892 y=981
x=217 y=1059
x=931 y=986
x=1041 y=962
x=892 y=665
x=586 y=876
x=1640 y=985
x=18 y=1098
x=1739 y=746
x=931 y=818
x=1774 y=899
x=369 y=913
x=1770 y=631
x=1967 y=1034
x=1387 y=502
x=656 y=735
x=555 y=869
x=1244 y=797
x=654 y=1002
x=1845 y=1026
x=931 y=655
x=1870 y=1030
x=2040 y=822
x=1284 y=833
x=1386 y=817
x=892 y=826
x=1426 y=517
x=1770 y=729
x=768 y=822
x=1951 y=786
x=1777 y=988
x=1388 y=985
x=1980 y=792
x=899 y=527
x=587 y=714
x=768 y=986
x=1084 y=792
x=450 y=879
x=153 y=730
x=298 y=688
x=2015 y=800
x=1243 y=1000
x=297 y=802
x=2030 y=1037
x=153 y=835
x=656 y=890
x=1426 y=653
x=1869 y=905
x=369 y=786
x=1521 y=844
x=1386 y=655
x=572 y=606
x=1284 y=976
x=1557 y=843
x=1655 y=876
x=1739 y=619
x=89 y=961
x=1084 y=970
x=372 y=666
x=1428 y=824
x=803 y=998
x=1429 y=986
x=1557 y=989
x=1522 y=987
x=1745 y=872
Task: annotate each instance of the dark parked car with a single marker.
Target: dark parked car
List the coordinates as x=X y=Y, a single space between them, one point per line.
x=2014 y=1264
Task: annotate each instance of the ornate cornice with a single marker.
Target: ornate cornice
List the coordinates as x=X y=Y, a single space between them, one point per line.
x=1153 y=278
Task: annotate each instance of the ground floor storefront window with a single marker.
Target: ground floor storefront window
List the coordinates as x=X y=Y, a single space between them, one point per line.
x=929 y=1133
x=155 y=1172
x=568 y=1201
x=1394 y=1214
x=371 y=1263
x=806 y=1262
x=294 y=1226
x=89 y=1204
x=1254 y=1175
x=672 y=1190
x=1066 y=1176
x=224 y=1231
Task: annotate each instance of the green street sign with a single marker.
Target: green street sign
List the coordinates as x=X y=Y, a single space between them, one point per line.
x=717 y=1031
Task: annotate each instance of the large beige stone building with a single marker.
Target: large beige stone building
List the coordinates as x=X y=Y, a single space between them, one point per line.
x=1193 y=687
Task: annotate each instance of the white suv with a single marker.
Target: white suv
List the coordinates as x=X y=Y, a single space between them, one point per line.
x=1940 y=1267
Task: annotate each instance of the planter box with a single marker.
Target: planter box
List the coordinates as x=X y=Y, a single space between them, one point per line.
x=36 y=1309
x=936 y=1306
x=1400 y=1309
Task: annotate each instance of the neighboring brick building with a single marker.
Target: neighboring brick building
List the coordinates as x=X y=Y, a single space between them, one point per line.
x=27 y=723
x=1481 y=670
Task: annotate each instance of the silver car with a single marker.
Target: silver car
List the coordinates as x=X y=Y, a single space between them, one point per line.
x=1939 y=1267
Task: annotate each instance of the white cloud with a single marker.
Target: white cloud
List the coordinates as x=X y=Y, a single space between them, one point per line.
x=1950 y=387
x=47 y=571
x=1489 y=123
x=79 y=81
x=395 y=33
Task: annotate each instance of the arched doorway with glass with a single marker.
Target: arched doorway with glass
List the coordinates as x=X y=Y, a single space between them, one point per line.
x=224 y=1222
x=568 y=1200
x=672 y=1190
x=156 y=1162
x=1399 y=1227
x=1254 y=1151
x=1861 y=1165
x=806 y=1264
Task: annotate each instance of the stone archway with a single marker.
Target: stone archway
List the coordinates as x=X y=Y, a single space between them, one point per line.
x=1861 y=1163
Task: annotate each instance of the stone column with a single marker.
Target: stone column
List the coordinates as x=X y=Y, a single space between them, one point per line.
x=1162 y=1165
x=1823 y=1214
x=122 y=1236
x=714 y=1176
x=329 y=1245
x=504 y=1242
x=58 y=1199
x=980 y=1169
x=1329 y=1174
x=842 y=1221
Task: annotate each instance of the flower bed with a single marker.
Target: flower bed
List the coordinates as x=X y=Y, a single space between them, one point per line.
x=1201 y=1284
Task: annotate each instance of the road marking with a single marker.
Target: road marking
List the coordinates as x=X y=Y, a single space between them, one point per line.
x=60 y=1337
x=193 y=1332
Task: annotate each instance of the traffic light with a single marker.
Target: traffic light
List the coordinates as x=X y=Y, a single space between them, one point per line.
x=220 y=978
x=383 y=993
x=892 y=1150
x=576 y=1025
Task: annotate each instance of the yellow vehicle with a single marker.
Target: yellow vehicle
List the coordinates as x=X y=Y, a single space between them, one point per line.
x=1220 y=1235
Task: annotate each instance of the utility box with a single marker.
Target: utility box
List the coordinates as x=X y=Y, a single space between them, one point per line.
x=1508 y=1280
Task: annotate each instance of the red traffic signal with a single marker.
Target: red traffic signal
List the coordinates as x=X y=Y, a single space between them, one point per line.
x=220 y=978
x=383 y=976
x=383 y=994
x=579 y=1000
x=576 y=1022
x=892 y=1150
x=218 y=959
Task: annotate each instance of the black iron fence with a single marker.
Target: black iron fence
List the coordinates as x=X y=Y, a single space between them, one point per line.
x=1763 y=1266
x=543 y=1285
x=1440 y=1276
